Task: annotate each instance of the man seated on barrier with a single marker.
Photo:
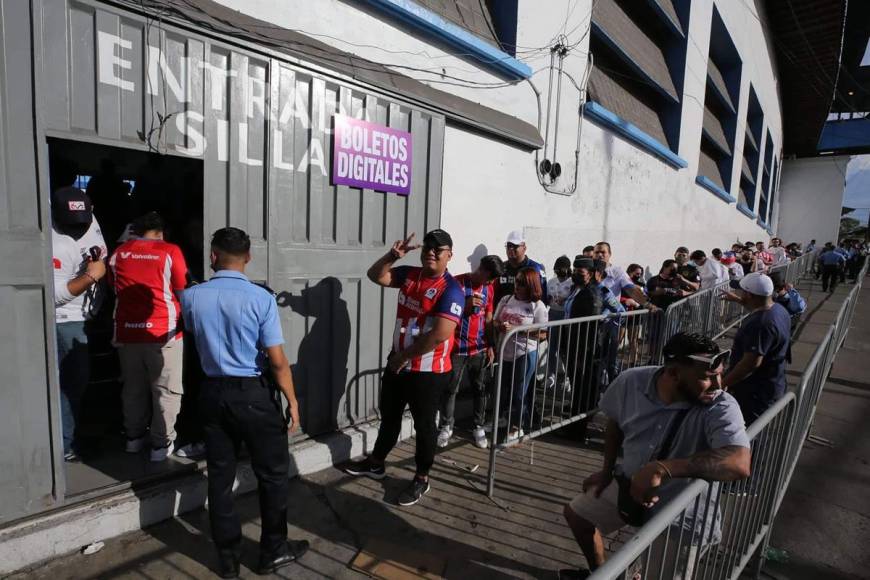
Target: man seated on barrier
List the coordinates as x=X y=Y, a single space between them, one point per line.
x=672 y=423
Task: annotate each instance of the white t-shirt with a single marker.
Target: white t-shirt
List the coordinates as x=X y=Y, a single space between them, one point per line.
x=69 y=260
x=735 y=270
x=518 y=313
x=712 y=273
x=779 y=255
x=558 y=291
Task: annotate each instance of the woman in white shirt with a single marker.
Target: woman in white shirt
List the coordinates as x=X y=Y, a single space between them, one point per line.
x=524 y=307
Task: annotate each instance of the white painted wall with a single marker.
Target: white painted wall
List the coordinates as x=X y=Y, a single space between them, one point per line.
x=811 y=196
x=641 y=205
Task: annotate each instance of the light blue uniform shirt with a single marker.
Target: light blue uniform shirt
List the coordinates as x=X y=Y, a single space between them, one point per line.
x=231 y=319
x=832 y=258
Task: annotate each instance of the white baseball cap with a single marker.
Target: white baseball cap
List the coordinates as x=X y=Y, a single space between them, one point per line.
x=516 y=238
x=755 y=283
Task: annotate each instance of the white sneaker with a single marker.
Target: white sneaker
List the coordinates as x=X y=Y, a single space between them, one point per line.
x=135 y=445
x=444 y=436
x=515 y=434
x=480 y=440
x=162 y=453
x=191 y=450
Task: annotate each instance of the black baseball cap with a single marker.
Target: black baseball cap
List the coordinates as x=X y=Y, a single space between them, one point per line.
x=584 y=262
x=438 y=238
x=71 y=206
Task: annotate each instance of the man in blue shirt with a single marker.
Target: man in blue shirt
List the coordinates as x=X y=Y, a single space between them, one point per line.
x=234 y=323
x=832 y=261
x=762 y=346
x=610 y=328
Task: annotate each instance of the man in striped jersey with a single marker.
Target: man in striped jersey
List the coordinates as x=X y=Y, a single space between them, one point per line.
x=418 y=368
x=472 y=348
x=148 y=275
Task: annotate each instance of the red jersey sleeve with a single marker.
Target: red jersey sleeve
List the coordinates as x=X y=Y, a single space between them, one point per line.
x=178 y=272
x=490 y=292
x=400 y=274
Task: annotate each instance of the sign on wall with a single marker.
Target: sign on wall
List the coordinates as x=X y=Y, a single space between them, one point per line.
x=371 y=156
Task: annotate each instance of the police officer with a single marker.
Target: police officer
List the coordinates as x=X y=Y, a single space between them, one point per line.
x=233 y=321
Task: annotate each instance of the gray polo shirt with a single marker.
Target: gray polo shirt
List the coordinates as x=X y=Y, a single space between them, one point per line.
x=633 y=402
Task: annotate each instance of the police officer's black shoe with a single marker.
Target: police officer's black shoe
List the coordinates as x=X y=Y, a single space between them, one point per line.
x=228 y=564
x=290 y=554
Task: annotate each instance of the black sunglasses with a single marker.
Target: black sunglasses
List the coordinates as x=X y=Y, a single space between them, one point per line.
x=435 y=250
x=710 y=362
x=512 y=246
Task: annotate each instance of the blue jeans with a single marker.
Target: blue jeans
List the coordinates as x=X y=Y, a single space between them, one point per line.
x=73 y=368
x=516 y=377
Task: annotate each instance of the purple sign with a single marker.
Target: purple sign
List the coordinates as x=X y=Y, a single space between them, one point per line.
x=371 y=156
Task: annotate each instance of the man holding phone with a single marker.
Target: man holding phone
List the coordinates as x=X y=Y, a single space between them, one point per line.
x=472 y=354
x=78 y=250
x=234 y=322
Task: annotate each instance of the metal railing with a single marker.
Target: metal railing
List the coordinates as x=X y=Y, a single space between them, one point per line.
x=737 y=516
x=535 y=396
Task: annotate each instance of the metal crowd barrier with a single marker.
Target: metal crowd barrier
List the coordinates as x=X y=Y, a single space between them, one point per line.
x=535 y=396
x=736 y=517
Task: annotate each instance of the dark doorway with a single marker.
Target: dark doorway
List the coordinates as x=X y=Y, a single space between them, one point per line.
x=124 y=184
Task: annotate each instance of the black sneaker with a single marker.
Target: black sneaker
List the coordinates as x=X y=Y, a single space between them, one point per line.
x=414 y=492
x=366 y=467
x=291 y=552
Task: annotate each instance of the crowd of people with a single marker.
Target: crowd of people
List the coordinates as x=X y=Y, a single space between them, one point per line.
x=448 y=332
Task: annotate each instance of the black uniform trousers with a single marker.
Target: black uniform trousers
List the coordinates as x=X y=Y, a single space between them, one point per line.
x=236 y=410
x=830 y=273
x=422 y=392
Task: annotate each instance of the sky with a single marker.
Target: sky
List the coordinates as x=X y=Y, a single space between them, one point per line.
x=858 y=186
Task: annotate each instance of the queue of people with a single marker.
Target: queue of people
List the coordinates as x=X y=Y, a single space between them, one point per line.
x=447 y=332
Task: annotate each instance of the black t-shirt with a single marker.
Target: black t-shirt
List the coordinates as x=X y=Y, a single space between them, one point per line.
x=690 y=273
x=767 y=333
x=670 y=286
x=746 y=265
x=504 y=286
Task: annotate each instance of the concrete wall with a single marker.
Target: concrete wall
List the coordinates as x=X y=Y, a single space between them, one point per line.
x=811 y=195
x=625 y=195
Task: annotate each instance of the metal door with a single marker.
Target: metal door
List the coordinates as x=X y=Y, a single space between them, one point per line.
x=29 y=408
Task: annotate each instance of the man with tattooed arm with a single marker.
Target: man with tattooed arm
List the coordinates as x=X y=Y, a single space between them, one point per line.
x=673 y=423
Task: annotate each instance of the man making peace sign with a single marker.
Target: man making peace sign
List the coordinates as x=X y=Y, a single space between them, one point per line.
x=418 y=367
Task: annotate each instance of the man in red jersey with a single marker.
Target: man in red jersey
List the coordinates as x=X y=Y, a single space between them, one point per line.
x=148 y=274
x=472 y=354
x=418 y=368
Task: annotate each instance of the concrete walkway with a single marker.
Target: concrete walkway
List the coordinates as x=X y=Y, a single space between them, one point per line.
x=824 y=522
x=456 y=532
